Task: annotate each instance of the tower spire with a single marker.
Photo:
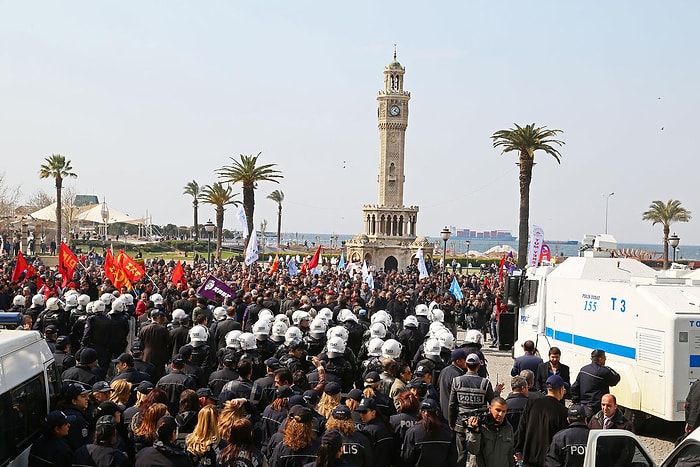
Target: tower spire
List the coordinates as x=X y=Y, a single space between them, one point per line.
x=394 y=52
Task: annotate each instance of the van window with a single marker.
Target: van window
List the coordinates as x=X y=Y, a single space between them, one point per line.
x=529 y=292
x=22 y=410
x=618 y=451
x=688 y=455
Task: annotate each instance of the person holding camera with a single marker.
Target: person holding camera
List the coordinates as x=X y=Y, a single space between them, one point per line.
x=490 y=436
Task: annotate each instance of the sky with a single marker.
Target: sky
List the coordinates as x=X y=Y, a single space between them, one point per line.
x=143 y=97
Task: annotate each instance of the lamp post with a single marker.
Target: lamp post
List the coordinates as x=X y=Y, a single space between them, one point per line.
x=607 y=199
x=209 y=227
x=673 y=240
x=104 y=212
x=445 y=235
x=469 y=243
x=126 y=232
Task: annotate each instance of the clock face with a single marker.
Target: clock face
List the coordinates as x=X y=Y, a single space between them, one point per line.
x=394 y=110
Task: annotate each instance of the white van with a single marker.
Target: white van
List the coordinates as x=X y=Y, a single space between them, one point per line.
x=623 y=448
x=28 y=379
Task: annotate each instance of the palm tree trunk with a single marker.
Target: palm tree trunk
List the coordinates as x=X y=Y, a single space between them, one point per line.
x=524 y=224
x=249 y=208
x=195 y=205
x=219 y=230
x=59 y=217
x=667 y=230
x=279 y=225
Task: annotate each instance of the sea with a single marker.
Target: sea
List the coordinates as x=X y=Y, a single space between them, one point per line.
x=459 y=245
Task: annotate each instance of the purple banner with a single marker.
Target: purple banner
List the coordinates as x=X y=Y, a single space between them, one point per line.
x=214 y=289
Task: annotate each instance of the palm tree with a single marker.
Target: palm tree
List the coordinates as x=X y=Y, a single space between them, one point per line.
x=58 y=168
x=219 y=196
x=278 y=196
x=526 y=140
x=193 y=189
x=666 y=214
x=248 y=173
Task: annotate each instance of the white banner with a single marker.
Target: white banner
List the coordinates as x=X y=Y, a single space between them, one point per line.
x=535 y=247
x=251 y=254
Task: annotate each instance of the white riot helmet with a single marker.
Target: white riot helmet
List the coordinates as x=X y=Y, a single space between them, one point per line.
x=83 y=300
x=474 y=337
x=38 y=300
x=128 y=299
x=89 y=308
x=326 y=314
x=291 y=334
x=436 y=314
x=391 y=349
x=279 y=329
x=446 y=339
x=53 y=304
x=300 y=315
x=318 y=328
x=118 y=306
x=282 y=318
x=374 y=347
x=156 y=298
x=261 y=329
x=432 y=348
x=19 y=300
x=107 y=299
x=178 y=314
x=219 y=313
x=436 y=327
x=346 y=315
x=232 y=341
x=266 y=313
x=377 y=330
x=422 y=309
x=338 y=331
x=410 y=322
x=336 y=347
x=199 y=335
x=71 y=300
x=98 y=306
x=381 y=317
x=247 y=341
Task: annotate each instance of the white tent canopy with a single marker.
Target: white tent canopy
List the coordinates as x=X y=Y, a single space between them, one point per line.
x=90 y=213
x=500 y=249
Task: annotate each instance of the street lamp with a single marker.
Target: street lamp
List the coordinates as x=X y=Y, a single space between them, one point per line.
x=104 y=212
x=673 y=240
x=445 y=235
x=209 y=227
x=607 y=199
x=126 y=232
x=469 y=243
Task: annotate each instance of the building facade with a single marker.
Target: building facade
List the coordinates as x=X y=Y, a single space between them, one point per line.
x=389 y=239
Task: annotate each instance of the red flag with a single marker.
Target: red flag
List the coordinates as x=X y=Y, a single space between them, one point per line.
x=500 y=270
x=304 y=266
x=315 y=259
x=20 y=266
x=545 y=254
x=67 y=261
x=132 y=270
x=31 y=272
x=275 y=265
x=114 y=272
x=179 y=275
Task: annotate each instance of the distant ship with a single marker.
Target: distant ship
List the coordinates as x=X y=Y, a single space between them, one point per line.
x=485 y=236
x=561 y=242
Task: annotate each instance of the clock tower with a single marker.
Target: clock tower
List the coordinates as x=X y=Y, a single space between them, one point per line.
x=389 y=239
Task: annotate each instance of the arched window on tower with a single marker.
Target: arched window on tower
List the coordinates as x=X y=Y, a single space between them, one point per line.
x=392 y=172
x=400 y=226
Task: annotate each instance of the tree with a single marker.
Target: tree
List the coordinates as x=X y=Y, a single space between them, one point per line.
x=278 y=196
x=9 y=197
x=39 y=199
x=192 y=188
x=525 y=141
x=666 y=214
x=219 y=196
x=58 y=168
x=248 y=173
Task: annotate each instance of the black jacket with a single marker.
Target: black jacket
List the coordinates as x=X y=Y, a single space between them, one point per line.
x=592 y=383
x=161 y=454
x=50 y=451
x=173 y=384
x=284 y=456
x=544 y=371
x=421 y=450
x=541 y=420
x=99 y=456
x=382 y=441
x=568 y=446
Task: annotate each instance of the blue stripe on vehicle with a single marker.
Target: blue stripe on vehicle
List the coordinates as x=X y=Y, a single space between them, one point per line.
x=695 y=361
x=609 y=347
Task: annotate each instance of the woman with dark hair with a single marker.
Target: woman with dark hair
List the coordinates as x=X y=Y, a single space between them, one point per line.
x=146 y=432
x=102 y=453
x=429 y=442
x=154 y=396
x=241 y=449
x=299 y=443
x=406 y=418
x=275 y=413
x=186 y=418
x=330 y=451
x=164 y=452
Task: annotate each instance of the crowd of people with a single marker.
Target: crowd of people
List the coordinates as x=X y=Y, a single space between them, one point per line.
x=318 y=369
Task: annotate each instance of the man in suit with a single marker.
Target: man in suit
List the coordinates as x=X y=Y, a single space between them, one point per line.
x=549 y=368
